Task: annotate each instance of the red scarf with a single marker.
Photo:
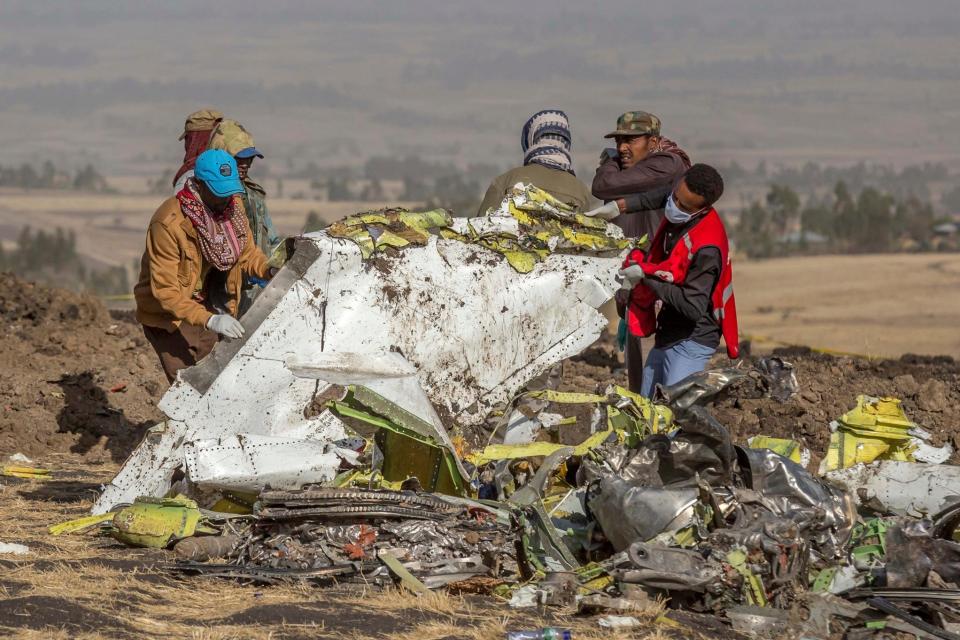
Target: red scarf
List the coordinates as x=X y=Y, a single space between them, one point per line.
x=223 y=235
x=194 y=143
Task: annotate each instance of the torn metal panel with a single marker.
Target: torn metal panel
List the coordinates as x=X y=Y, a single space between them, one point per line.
x=247 y=462
x=473 y=329
x=770 y=376
x=903 y=488
x=629 y=513
x=878 y=429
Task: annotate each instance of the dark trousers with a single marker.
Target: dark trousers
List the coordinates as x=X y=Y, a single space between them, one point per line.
x=633 y=355
x=181 y=348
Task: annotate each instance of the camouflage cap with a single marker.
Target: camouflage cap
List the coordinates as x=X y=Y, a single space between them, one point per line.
x=232 y=138
x=202 y=120
x=636 y=123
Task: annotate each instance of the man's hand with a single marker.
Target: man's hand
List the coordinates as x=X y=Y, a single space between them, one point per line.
x=609 y=154
x=629 y=277
x=226 y=325
x=608 y=211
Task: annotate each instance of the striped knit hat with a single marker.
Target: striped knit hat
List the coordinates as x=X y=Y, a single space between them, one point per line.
x=546 y=140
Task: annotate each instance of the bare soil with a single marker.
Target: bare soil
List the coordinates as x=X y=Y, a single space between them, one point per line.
x=74 y=377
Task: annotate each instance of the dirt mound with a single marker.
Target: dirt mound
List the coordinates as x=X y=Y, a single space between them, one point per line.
x=73 y=376
x=829 y=386
x=30 y=303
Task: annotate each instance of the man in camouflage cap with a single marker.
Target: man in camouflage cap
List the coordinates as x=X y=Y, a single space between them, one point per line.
x=637 y=175
x=231 y=136
x=636 y=123
x=635 y=179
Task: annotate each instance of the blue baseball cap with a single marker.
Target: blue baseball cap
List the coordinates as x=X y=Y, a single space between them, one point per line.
x=249 y=152
x=218 y=170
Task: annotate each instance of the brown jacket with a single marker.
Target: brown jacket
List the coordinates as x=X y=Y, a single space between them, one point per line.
x=171 y=267
x=654 y=177
x=563 y=186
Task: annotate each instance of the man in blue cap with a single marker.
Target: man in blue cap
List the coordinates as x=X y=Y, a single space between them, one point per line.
x=232 y=137
x=198 y=250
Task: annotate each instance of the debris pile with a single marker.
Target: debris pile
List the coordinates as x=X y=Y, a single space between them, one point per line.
x=392 y=416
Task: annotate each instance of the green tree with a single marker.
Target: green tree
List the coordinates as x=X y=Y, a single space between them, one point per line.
x=313 y=222
x=28 y=178
x=754 y=232
x=89 y=179
x=338 y=190
x=844 y=214
x=875 y=231
x=783 y=205
x=914 y=219
x=48 y=175
x=951 y=200
x=817 y=217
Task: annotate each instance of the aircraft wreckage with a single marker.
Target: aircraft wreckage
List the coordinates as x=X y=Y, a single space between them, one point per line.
x=442 y=319
x=391 y=417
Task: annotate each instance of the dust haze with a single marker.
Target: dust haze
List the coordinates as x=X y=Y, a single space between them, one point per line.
x=338 y=82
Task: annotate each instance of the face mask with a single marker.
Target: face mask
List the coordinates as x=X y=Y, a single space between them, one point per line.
x=674 y=214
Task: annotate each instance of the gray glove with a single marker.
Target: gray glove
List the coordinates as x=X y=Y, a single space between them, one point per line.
x=608 y=211
x=609 y=154
x=629 y=277
x=226 y=325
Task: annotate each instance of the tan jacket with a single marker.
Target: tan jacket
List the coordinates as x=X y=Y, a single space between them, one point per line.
x=171 y=268
x=561 y=185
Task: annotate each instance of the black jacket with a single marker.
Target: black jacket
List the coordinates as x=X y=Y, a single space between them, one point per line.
x=687 y=312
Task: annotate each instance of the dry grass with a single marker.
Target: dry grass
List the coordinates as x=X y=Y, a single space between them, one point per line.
x=877 y=305
x=84 y=586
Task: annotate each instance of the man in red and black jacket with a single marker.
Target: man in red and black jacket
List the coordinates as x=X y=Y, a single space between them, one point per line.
x=698 y=307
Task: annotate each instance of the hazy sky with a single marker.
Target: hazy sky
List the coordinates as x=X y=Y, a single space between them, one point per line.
x=336 y=82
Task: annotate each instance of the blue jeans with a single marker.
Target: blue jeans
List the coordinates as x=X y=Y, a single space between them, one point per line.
x=673 y=364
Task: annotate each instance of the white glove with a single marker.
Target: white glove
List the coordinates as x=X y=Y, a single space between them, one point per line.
x=226 y=325
x=630 y=276
x=608 y=211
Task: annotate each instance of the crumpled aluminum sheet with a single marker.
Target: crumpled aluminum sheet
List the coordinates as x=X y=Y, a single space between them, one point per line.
x=824 y=514
x=628 y=513
x=913 y=552
x=655 y=489
x=775 y=377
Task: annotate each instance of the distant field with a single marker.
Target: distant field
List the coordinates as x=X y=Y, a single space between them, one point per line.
x=878 y=305
x=110 y=228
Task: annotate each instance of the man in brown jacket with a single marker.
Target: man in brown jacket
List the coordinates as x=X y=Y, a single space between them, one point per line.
x=198 y=249
x=639 y=173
